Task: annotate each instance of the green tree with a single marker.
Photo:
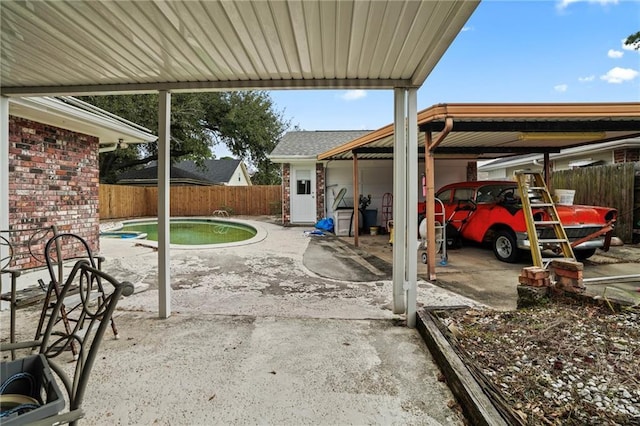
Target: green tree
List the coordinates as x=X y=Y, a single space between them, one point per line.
x=246 y=122
x=633 y=40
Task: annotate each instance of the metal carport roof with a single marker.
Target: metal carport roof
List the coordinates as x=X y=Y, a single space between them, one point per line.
x=75 y=47
x=499 y=130
x=114 y=46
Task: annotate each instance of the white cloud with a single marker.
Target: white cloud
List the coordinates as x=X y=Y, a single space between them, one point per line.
x=619 y=75
x=352 y=95
x=560 y=88
x=586 y=79
x=563 y=4
x=632 y=47
x=615 y=54
x=465 y=28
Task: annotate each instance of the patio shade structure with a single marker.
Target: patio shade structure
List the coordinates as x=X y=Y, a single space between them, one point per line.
x=104 y=47
x=477 y=131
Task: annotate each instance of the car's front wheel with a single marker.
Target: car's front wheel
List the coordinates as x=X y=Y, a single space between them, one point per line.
x=505 y=247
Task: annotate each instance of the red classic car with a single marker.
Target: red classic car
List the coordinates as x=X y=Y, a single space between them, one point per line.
x=490 y=212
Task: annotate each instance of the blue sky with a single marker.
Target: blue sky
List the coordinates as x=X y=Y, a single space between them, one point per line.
x=509 y=51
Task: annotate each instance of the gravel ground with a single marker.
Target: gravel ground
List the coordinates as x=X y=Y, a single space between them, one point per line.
x=565 y=364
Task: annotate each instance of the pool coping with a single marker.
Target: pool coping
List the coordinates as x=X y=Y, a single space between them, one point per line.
x=261 y=233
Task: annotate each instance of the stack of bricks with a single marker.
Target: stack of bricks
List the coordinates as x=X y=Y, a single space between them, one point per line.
x=534 y=276
x=568 y=275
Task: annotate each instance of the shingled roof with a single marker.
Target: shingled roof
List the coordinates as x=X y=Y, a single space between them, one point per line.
x=308 y=144
x=149 y=176
x=215 y=172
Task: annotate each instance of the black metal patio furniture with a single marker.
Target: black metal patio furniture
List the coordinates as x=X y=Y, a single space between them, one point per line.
x=98 y=294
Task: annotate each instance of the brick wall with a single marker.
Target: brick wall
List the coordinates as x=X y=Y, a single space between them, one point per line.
x=286 y=194
x=626 y=155
x=320 y=185
x=53 y=180
x=472 y=171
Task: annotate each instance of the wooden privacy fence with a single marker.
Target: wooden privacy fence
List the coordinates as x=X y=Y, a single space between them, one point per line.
x=119 y=201
x=612 y=185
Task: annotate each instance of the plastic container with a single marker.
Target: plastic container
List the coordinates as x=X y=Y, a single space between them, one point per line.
x=373 y=230
x=370 y=218
x=564 y=197
x=43 y=388
x=341 y=221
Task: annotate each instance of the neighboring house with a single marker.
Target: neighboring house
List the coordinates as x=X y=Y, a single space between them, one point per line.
x=149 y=177
x=53 y=162
x=310 y=186
x=227 y=171
x=627 y=150
x=304 y=178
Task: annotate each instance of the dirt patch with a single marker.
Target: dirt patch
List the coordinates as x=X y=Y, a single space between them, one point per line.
x=566 y=364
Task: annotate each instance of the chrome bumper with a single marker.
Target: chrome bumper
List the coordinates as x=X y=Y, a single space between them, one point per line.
x=524 y=243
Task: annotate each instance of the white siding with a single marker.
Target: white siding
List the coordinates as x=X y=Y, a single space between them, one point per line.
x=376 y=178
x=238 y=178
x=606 y=157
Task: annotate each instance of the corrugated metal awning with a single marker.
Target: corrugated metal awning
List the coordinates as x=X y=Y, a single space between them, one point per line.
x=498 y=130
x=70 y=47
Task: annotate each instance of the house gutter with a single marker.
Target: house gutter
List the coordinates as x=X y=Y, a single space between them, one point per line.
x=77 y=117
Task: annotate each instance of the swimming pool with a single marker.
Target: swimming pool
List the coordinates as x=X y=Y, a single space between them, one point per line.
x=197 y=232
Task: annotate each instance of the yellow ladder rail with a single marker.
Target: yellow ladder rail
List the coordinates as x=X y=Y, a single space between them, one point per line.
x=535 y=194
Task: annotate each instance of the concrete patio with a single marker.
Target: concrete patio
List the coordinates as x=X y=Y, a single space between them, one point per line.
x=259 y=336
x=474 y=272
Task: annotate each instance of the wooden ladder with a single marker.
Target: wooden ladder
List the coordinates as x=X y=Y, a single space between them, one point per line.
x=535 y=194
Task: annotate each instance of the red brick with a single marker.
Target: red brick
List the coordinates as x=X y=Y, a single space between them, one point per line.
x=576 y=275
x=524 y=280
x=536 y=272
x=569 y=265
x=29 y=195
x=568 y=283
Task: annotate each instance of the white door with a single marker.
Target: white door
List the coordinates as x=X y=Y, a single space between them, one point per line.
x=303 y=193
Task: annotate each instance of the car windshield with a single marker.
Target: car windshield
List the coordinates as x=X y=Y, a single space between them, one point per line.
x=490 y=193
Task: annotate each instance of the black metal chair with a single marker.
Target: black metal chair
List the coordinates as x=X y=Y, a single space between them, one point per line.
x=18 y=247
x=92 y=318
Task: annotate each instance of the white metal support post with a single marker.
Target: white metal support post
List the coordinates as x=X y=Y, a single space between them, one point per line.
x=399 y=205
x=4 y=163
x=356 y=202
x=430 y=196
x=412 y=205
x=164 y=255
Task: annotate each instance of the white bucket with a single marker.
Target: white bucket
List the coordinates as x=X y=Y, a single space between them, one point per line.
x=564 y=197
